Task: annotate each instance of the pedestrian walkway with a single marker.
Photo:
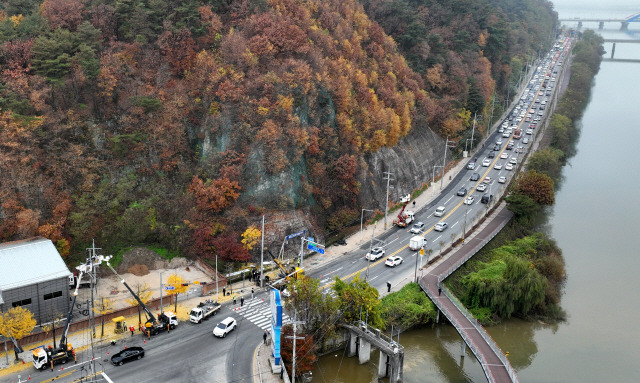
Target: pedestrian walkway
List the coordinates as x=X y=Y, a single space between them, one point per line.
x=258 y=312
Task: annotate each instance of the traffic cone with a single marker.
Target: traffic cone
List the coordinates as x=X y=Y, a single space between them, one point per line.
x=107 y=352
x=144 y=341
x=125 y=347
x=29 y=377
x=62 y=368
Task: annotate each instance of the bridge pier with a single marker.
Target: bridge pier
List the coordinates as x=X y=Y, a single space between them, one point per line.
x=463 y=348
x=391 y=359
x=579 y=24
x=364 y=351
x=601 y=25
x=353 y=345
x=624 y=26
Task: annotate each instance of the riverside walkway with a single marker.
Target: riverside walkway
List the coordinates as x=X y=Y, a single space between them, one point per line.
x=494 y=362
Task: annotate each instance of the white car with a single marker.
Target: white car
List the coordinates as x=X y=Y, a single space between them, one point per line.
x=440 y=226
x=508 y=167
x=497 y=166
x=393 y=261
x=469 y=200
x=376 y=252
x=486 y=162
x=529 y=131
x=504 y=155
x=513 y=161
x=225 y=327
x=481 y=187
x=440 y=211
x=487 y=180
x=502 y=179
x=417 y=228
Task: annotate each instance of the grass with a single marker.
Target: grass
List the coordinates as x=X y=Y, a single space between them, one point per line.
x=164 y=252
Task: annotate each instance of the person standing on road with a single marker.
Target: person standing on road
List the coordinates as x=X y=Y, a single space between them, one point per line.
x=234 y=299
x=264 y=337
x=224 y=291
x=132 y=330
x=252 y=293
x=388 y=287
x=241 y=301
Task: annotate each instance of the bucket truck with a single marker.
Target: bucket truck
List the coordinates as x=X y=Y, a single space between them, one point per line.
x=404 y=217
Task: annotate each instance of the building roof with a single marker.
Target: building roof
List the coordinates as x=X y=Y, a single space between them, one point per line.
x=29 y=261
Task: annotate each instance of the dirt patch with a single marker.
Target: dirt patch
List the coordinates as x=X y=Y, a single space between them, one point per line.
x=138 y=270
x=141 y=256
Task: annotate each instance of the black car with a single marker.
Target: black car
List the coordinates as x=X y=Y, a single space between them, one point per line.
x=496 y=147
x=462 y=192
x=128 y=354
x=474 y=177
x=510 y=145
x=486 y=198
x=491 y=154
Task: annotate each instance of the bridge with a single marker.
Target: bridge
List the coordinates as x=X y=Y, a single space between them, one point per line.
x=494 y=362
x=613 y=49
x=624 y=22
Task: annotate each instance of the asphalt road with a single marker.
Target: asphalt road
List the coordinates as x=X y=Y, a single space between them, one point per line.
x=190 y=353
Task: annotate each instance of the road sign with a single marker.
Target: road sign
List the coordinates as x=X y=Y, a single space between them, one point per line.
x=169 y=288
x=290 y=236
x=315 y=248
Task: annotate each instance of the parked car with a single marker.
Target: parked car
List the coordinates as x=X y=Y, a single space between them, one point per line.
x=417 y=228
x=393 y=261
x=225 y=327
x=462 y=192
x=440 y=226
x=127 y=355
x=376 y=252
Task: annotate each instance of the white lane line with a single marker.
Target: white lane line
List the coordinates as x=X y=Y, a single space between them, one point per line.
x=448 y=200
x=454 y=224
x=438 y=238
x=326 y=280
x=374 y=278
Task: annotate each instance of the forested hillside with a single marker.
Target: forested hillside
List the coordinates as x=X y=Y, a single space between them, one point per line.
x=178 y=123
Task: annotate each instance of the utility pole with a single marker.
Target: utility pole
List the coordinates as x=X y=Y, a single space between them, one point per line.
x=444 y=160
x=473 y=130
x=162 y=287
x=92 y=319
x=217 y=290
x=386 y=206
x=366 y=276
x=6 y=353
x=295 y=340
x=262 y=256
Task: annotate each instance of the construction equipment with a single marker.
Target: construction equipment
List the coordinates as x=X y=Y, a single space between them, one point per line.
x=293 y=273
x=203 y=311
x=404 y=217
x=64 y=352
x=119 y=325
x=166 y=321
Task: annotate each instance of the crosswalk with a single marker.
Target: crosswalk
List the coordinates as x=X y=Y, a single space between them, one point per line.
x=258 y=312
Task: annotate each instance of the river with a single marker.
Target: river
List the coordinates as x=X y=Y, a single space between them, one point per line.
x=595 y=221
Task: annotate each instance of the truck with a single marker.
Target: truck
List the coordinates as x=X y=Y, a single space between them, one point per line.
x=404 y=217
x=64 y=352
x=203 y=311
x=166 y=320
x=417 y=242
x=517 y=133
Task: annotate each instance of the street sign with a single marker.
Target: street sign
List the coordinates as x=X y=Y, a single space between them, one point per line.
x=169 y=288
x=290 y=236
x=315 y=248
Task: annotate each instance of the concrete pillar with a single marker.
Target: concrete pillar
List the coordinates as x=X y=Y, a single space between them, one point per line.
x=624 y=26
x=352 y=345
x=579 y=24
x=463 y=348
x=438 y=317
x=364 y=351
x=395 y=368
x=601 y=25
x=382 y=365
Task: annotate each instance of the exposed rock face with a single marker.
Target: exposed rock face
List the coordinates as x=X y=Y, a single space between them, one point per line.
x=410 y=162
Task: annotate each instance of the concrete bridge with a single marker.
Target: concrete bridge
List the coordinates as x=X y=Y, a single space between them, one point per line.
x=613 y=49
x=391 y=358
x=624 y=22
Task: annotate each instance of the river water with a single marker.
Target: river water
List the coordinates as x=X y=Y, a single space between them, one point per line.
x=595 y=221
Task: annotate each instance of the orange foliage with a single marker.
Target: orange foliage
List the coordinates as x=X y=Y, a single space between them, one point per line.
x=214 y=195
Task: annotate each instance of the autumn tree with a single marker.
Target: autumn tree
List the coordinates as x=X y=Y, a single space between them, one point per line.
x=537 y=186
x=102 y=307
x=250 y=237
x=17 y=323
x=359 y=301
x=143 y=291
x=180 y=286
x=305 y=350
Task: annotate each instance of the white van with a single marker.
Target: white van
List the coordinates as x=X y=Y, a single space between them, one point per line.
x=417 y=242
x=439 y=211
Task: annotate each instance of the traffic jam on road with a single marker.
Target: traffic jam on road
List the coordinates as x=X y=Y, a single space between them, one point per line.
x=486 y=176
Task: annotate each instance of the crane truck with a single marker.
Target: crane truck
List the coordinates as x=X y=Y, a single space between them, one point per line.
x=404 y=217
x=203 y=311
x=64 y=352
x=166 y=321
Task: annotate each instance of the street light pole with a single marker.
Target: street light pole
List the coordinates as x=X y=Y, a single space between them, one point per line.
x=444 y=160
x=386 y=204
x=262 y=256
x=362 y=216
x=366 y=276
x=433 y=176
x=161 y=291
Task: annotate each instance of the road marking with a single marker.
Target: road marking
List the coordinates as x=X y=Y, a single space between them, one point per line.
x=438 y=238
x=448 y=200
x=58 y=376
x=454 y=224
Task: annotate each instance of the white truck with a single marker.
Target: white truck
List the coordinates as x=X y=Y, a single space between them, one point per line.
x=417 y=242
x=203 y=311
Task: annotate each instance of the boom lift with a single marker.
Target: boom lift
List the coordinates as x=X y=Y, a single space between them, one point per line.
x=293 y=273
x=166 y=321
x=404 y=218
x=64 y=352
